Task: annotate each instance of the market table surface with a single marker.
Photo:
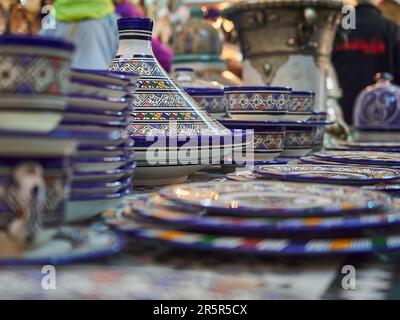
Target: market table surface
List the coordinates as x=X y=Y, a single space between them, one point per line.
x=147 y=271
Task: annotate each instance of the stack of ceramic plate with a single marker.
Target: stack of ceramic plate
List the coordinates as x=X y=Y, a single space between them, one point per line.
x=173 y=136
x=96 y=115
x=374 y=160
x=264 y=218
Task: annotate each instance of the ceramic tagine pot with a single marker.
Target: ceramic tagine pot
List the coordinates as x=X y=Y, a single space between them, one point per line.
x=300 y=37
x=377 y=112
x=208 y=94
x=198 y=45
x=173 y=136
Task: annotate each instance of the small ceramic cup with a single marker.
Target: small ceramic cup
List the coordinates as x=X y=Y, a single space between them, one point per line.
x=35 y=176
x=301 y=106
x=299 y=141
x=210 y=99
x=34 y=72
x=269 y=138
x=257 y=103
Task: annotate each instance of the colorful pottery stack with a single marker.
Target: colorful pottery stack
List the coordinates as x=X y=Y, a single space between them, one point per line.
x=97 y=116
x=377 y=111
x=173 y=136
x=208 y=94
x=264 y=218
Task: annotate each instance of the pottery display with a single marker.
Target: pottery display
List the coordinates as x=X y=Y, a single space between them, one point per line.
x=319 y=130
x=362 y=157
x=257 y=103
x=300 y=39
x=299 y=140
x=162 y=112
x=376 y=112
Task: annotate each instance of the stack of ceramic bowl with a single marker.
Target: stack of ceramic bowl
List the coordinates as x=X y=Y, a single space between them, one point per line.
x=96 y=115
x=282 y=119
x=209 y=95
x=264 y=218
x=173 y=136
x=35 y=167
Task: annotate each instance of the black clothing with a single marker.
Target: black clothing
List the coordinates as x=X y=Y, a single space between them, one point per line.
x=372 y=47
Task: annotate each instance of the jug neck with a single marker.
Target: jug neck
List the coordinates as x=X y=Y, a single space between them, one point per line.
x=135 y=36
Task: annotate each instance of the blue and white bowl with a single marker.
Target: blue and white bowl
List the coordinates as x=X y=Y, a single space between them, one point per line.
x=269 y=137
x=211 y=100
x=34 y=185
x=301 y=106
x=257 y=103
x=299 y=140
x=34 y=72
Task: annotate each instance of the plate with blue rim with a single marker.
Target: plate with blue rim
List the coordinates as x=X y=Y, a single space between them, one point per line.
x=263 y=198
x=328 y=173
x=264 y=246
x=361 y=157
x=68 y=244
x=158 y=210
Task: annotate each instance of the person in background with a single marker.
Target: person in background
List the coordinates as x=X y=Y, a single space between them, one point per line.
x=372 y=47
x=164 y=55
x=92 y=26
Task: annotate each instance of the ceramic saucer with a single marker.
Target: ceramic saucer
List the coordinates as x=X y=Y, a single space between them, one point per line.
x=362 y=157
x=328 y=174
x=372 y=146
x=255 y=246
x=272 y=198
x=67 y=245
x=163 y=212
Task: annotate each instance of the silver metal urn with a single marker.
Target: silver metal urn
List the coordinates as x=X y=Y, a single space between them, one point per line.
x=287 y=42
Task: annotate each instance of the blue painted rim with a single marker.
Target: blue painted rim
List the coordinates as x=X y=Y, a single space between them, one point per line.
x=135 y=24
x=37 y=41
x=126 y=169
x=69 y=258
x=126 y=76
x=93 y=185
x=301 y=178
x=97 y=98
x=94 y=110
x=96 y=197
x=260 y=88
x=228 y=122
x=303 y=93
x=358 y=161
x=204 y=91
x=183 y=69
x=98 y=84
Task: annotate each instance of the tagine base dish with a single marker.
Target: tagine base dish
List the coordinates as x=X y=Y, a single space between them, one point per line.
x=66 y=245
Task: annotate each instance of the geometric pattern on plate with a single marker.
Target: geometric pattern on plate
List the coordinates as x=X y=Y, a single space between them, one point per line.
x=258 y=246
x=274 y=198
x=328 y=173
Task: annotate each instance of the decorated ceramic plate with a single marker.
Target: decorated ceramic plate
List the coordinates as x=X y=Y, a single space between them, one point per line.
x=372 y=146
x=66 y=245
x=328 y=174
x=274 y=198
x=161 y=211
x=255 y=246
x=362 y=157
x=244 y=175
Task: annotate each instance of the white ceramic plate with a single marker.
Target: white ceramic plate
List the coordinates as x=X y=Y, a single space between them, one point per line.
x=32 y=121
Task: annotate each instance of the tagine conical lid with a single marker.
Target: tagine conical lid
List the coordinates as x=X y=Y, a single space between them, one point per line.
x=160 y=106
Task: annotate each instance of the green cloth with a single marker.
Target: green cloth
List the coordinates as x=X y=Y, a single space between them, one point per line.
x=76 y=10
